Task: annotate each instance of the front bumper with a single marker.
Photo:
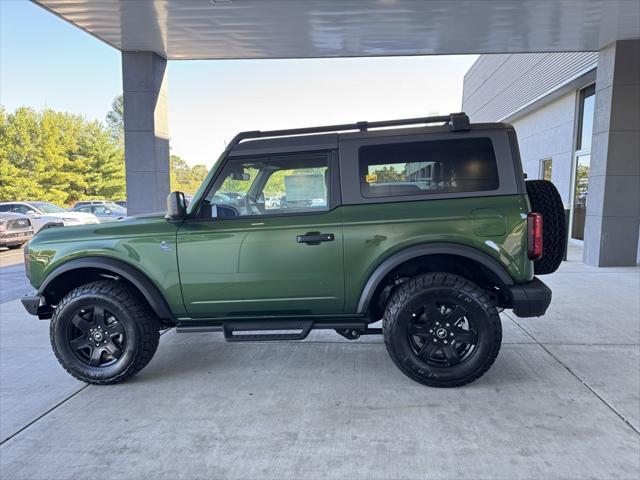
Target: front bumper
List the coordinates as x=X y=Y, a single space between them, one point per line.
x=33 y=304
x=530 y=299
x=11 y=238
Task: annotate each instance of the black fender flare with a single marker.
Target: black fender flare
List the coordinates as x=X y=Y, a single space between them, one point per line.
x=130 y=273
x=423 y=250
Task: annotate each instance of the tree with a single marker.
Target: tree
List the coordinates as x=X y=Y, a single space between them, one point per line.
x=184 y=178
x=115 y=120
x=57 y=157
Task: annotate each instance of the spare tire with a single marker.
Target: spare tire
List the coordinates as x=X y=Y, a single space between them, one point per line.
x=545 y=199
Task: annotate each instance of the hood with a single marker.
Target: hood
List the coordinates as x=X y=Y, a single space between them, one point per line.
x=11 y=215
x=80 y=216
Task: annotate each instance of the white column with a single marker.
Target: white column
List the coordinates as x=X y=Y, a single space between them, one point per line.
x=613 y=201
x=146 y=131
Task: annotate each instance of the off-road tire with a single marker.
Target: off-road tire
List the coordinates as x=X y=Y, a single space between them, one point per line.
x=140 y=325
x=545 y=199
x=432 y=287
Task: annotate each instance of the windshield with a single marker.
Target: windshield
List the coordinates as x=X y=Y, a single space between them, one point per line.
x=47 y=207
x=115 y=207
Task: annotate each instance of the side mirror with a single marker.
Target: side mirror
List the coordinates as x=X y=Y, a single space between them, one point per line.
x=176 y=206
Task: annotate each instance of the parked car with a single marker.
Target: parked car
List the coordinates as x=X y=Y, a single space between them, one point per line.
x=15 y=230
x=106 y=212
x=436 y=264
x=45 y=214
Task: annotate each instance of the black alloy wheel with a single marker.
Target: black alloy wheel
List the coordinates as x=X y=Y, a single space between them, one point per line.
x=96 y=337
x=442 y=333
x=442 y=330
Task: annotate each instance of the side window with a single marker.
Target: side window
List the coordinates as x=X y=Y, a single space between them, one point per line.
x=22 y=209
x=99 y=210
x=270 y=185
x=5 y=208
x=428 y=167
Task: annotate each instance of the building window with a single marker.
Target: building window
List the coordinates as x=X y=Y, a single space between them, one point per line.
x=585 y=119
x=428 y=167
x=582 y=161
x=545 y=169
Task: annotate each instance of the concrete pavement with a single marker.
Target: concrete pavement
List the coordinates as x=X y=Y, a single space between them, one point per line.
x=562 y=401
x=13 y=283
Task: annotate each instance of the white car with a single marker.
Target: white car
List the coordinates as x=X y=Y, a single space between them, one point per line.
x=44 y=214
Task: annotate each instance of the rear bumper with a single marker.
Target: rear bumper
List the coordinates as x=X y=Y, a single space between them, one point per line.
x=32 y=304
x=530 y=299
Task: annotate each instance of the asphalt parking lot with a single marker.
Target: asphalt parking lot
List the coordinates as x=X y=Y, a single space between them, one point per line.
x=562 y=401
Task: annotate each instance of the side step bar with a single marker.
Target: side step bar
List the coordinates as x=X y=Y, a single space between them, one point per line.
x=270 y=330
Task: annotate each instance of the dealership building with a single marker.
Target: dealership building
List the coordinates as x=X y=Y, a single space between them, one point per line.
x=577 y=116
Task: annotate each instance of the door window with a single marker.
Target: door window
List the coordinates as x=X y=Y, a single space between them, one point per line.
x=270 y=185
x=23 y=209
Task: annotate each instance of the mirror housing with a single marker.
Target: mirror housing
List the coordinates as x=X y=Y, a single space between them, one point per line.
x=176 y=206
x=240 y=175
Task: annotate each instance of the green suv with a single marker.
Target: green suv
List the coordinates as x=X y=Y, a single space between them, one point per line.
x=425 y=224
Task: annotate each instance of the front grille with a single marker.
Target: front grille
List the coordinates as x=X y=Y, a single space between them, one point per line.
x=18 y=223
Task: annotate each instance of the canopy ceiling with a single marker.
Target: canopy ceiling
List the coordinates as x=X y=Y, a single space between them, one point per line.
x=222 y=29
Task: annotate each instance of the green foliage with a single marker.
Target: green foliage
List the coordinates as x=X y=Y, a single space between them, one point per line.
x=57 y=157
x=115 y=120
x=60 y=157
x=184 y=178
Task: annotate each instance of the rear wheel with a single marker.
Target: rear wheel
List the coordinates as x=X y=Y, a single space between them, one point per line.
x=442 y=330
x=103 y=333
x=545 y=199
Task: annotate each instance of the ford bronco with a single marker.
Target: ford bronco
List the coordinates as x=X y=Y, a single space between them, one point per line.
x=425 y=224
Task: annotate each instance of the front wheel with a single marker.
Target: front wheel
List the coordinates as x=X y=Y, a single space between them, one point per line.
x=442 y=330
x=103 y=333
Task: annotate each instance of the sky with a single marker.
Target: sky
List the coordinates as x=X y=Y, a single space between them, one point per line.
x=46 y=62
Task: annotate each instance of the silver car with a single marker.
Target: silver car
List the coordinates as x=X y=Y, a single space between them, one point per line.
x=15 y=230
x=45 y=214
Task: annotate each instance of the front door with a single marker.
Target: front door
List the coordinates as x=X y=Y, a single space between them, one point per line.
x=265 y=240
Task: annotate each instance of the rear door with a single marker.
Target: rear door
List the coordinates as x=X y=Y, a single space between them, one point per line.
x=266 y=240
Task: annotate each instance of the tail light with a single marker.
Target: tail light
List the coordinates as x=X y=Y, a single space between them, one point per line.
x=534 y=235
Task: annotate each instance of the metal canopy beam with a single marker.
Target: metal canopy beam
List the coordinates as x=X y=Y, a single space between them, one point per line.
x=250 y=29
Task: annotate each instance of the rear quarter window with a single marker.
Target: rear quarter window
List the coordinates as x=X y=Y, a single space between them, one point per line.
x=428 y=167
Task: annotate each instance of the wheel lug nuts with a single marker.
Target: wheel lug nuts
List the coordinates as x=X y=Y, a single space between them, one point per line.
x=451 y=334
x=435 y=340
x=446 y=341
x=447 y=325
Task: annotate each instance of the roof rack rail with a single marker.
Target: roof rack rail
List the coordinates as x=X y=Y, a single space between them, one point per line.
x=457 y=121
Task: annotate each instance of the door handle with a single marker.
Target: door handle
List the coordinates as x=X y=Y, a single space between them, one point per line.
x=315 y=238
